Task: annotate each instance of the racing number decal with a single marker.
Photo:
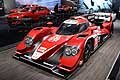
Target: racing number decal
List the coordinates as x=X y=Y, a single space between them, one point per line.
x=38 y=54
x=42 y=49
x=54 y=38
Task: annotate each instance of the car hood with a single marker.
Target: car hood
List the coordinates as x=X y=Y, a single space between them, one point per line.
x=50 y=45
x=14 y=15
x=15 y=10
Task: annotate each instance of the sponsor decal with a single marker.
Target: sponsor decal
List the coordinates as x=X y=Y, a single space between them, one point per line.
x=37 y=54
x=42 y=49
x=54 y=38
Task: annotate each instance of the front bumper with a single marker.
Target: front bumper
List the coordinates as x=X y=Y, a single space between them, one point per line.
x=45 y=65
x=14 y=22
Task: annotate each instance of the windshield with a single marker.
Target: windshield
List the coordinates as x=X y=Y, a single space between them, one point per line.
x=70 y=29
x=22 y=6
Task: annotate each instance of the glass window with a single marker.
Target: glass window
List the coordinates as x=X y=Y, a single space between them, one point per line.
x=83 y=27
x=70 y=29
x=41 y=8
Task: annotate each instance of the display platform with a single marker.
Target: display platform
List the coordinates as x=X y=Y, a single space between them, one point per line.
x=114 y=73
x=96 y=68
x=8 y=37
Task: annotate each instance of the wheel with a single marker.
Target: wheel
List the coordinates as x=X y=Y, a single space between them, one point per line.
x=101 y=38
x=112 y=29
x=27 y=22
x=10 y=25
x=87 y=51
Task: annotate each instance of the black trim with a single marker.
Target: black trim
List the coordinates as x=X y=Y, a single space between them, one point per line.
x=41 y=64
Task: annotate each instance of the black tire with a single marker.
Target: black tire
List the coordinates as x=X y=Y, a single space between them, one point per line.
x=87 y=51
x=27 y=23
x=10 y=25
x=112 y=29
x=104 y=37
x=101 y=39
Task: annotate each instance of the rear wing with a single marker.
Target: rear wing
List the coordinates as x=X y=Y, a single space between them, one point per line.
x=99 y=16
x=103 y=16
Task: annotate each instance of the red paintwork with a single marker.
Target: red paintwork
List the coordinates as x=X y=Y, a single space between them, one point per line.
x=50 y=47
x=30 y=11
x=22 y=8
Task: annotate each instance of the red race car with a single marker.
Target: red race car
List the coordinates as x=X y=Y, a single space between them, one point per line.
x=61 y=50
x=31 y=13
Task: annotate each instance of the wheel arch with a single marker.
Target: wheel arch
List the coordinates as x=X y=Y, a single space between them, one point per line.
x=92 y=39
x=112 y=28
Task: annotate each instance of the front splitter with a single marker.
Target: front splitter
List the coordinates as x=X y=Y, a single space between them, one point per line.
x=47 y=67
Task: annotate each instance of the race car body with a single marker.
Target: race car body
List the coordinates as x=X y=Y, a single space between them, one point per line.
x=63 y=49
x=31 y=13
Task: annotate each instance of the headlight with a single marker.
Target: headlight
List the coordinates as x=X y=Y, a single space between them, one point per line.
x=74 y=51
x=28 y=41
x=69 y=50
x=17 y=17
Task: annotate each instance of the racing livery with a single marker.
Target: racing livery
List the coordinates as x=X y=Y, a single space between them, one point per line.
x=27 y=15
x=61 y=50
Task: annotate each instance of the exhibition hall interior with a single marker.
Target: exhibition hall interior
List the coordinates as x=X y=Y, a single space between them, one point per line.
x=59 y=40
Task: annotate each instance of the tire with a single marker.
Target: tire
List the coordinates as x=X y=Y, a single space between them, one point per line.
x=101 y=39
x=87 y=51
x=10 y=25
x=27 y=24
x=112 y=29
